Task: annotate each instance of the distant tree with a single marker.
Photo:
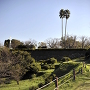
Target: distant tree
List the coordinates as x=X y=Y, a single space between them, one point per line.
x=42 y=45
x=14 y=43
x=70 y=42
x=78 y=44
x=20 y=47
x=6 y=43
x=31 y=44
x=87 y=43
x=83 y=40
x=53 y=43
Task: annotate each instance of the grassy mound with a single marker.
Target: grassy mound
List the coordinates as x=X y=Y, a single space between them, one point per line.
x=65 y=68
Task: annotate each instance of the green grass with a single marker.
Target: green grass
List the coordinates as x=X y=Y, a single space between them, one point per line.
x=82 y=81
x=25 y=84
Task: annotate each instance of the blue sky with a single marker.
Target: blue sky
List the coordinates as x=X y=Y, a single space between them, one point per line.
x=39 y=19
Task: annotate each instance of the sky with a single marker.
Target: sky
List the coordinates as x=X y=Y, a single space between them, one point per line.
x=39 y=19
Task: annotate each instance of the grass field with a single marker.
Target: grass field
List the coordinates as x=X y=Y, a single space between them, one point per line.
x=82 y=81
x=25 y=84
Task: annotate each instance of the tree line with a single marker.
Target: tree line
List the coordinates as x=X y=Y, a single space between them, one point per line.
x=71 y=42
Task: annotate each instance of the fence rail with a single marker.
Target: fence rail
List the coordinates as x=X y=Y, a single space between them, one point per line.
x=72 y=74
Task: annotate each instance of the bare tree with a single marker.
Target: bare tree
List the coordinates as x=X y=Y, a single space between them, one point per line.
x=30 y=43
x=74 y=41
x=53 y=43
x=83 y=40
x=87 y=43
x=42 y=45
x=70 y=42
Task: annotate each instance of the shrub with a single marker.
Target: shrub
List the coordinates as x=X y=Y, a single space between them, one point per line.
x=35 y=68
x=64 y=59
x=65 y=68
x=52 y=66
x=51 y=61
x=45 y=67
x=30 y=60
x=33 y=75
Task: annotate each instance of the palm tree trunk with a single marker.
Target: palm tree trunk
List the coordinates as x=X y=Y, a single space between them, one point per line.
x=65 y=33
x=65 y=28
x=62 y=28
x=62 y=32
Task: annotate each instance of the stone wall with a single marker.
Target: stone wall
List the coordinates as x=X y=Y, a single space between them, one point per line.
x=42 y=54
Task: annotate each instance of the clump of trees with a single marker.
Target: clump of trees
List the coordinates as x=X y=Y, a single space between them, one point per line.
x=42 y=45
x=15 y=64
x=17 y=44
x=68 y=41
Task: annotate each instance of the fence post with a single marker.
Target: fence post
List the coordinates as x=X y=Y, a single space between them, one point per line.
x=74 y=74
x=85 y=65
x=56 y=83
x=81 y=70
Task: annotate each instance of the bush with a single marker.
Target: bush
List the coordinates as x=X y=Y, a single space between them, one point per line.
x=33 y=75
x=52 y=66
x=51 y=61
x=35 y=68
x=45 y=67
x=65 y=68
x=64 y=59
x=30 y=60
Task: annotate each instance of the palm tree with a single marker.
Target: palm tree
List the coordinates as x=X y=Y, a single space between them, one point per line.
x=66 y=15
x=61 y=15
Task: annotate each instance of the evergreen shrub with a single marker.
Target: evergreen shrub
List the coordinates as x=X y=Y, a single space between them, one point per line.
x=64 y=59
